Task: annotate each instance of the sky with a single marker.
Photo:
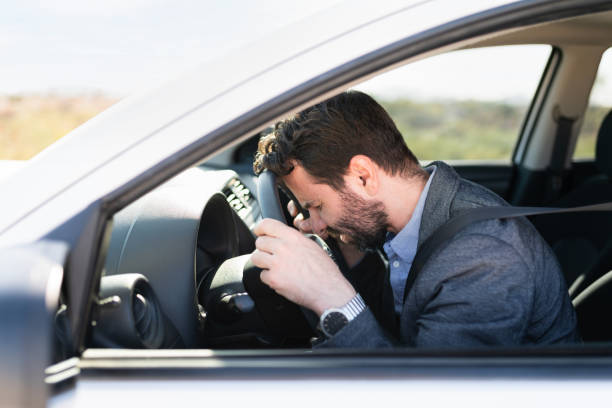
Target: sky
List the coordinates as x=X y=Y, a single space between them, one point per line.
x=118 y=47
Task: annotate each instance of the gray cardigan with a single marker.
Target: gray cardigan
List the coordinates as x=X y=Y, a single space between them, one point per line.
x=496 y=282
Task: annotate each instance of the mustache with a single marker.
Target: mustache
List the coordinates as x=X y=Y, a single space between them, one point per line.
x=365 y=239
x=334 y=233
x=363 y=224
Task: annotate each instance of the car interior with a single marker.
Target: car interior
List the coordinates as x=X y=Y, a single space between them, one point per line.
x=176 y=273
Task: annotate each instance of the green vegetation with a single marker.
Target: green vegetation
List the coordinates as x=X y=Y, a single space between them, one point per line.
x=449 y=130
x=454 y=130
x=457 y=129
x=585 y=148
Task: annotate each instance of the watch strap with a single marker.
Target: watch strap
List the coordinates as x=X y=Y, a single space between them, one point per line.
x=334 y=319
x=354 y=306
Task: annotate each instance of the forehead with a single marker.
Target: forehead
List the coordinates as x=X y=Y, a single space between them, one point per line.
x=305 y=187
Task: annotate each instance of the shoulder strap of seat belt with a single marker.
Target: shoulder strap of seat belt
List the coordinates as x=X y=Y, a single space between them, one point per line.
x=556 y=169
x=448 y=230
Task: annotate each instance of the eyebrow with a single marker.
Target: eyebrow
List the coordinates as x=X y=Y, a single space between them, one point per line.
x=300 y=208
x=309 y=204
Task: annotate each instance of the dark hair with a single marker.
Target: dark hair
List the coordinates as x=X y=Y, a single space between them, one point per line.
x=323 y=138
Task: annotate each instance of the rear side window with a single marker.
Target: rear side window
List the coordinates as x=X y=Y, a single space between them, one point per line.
x=463 y=105
x=600 y=104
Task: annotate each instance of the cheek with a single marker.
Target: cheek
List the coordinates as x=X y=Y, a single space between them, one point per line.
x=330 y=218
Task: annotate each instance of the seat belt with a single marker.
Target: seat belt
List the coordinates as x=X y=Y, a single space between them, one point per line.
x=448 y=230
x=556 y=169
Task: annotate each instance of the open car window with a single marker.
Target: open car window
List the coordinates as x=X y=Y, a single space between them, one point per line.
x=463 y=105
x=600 y=103
x=174 y=273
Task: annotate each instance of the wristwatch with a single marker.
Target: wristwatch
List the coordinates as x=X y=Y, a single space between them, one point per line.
x=334 y=319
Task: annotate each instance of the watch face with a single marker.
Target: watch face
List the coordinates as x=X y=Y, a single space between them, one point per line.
x=333 y=322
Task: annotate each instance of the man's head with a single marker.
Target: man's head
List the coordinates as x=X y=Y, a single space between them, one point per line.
x=318 y=150
x=323 y=139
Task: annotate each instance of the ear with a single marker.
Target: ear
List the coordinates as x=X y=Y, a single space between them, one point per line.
x=363 y=174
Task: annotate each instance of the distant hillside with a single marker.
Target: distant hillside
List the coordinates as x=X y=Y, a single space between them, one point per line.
x=472 y=129
x=29 y=123
x=433 y=130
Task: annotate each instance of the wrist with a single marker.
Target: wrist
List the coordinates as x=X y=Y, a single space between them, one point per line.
x=338 y=300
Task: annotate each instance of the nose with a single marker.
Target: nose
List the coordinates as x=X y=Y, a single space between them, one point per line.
x=316 y=222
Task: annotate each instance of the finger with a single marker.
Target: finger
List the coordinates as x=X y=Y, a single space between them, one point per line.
x=266 y=277
x=261 y=259
x=273 y=228
x=302 y=224
x=292 y=208
x=268 y=244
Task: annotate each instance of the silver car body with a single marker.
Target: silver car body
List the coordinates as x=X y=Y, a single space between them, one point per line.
x=146 y=139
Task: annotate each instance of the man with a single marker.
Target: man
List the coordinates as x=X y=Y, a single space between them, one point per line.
x=495 y=283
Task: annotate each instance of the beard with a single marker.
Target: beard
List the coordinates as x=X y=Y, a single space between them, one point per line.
x=364 y=222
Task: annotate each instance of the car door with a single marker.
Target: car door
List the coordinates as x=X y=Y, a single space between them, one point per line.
x=30 y=291
x=256 y=377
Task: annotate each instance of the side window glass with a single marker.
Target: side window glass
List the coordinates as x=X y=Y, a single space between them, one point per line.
x=600 y=104
x=464 y=105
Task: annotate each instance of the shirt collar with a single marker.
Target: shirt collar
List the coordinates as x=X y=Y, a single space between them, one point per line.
x=404 y=243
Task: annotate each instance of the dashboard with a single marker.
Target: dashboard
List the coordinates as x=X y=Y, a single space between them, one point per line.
x=173 y=276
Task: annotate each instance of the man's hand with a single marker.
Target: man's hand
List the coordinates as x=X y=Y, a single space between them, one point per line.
x=351 y=254
x=298 y=269
x=302 y=224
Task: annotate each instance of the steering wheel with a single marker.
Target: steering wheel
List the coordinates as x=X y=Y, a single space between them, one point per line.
x=281 y=316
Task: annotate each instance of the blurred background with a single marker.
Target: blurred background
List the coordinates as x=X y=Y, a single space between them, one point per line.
x=62 y=62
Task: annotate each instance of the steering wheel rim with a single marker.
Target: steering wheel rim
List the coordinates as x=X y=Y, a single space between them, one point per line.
x=269 y=303
x=268 y=197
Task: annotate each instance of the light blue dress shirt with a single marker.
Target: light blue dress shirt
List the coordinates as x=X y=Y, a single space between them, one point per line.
x=401 y=248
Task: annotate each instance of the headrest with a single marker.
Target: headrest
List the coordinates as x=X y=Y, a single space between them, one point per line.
x=603 y=151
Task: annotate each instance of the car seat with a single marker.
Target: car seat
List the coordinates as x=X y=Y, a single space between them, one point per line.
x=582 y=241
x=591 y=306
